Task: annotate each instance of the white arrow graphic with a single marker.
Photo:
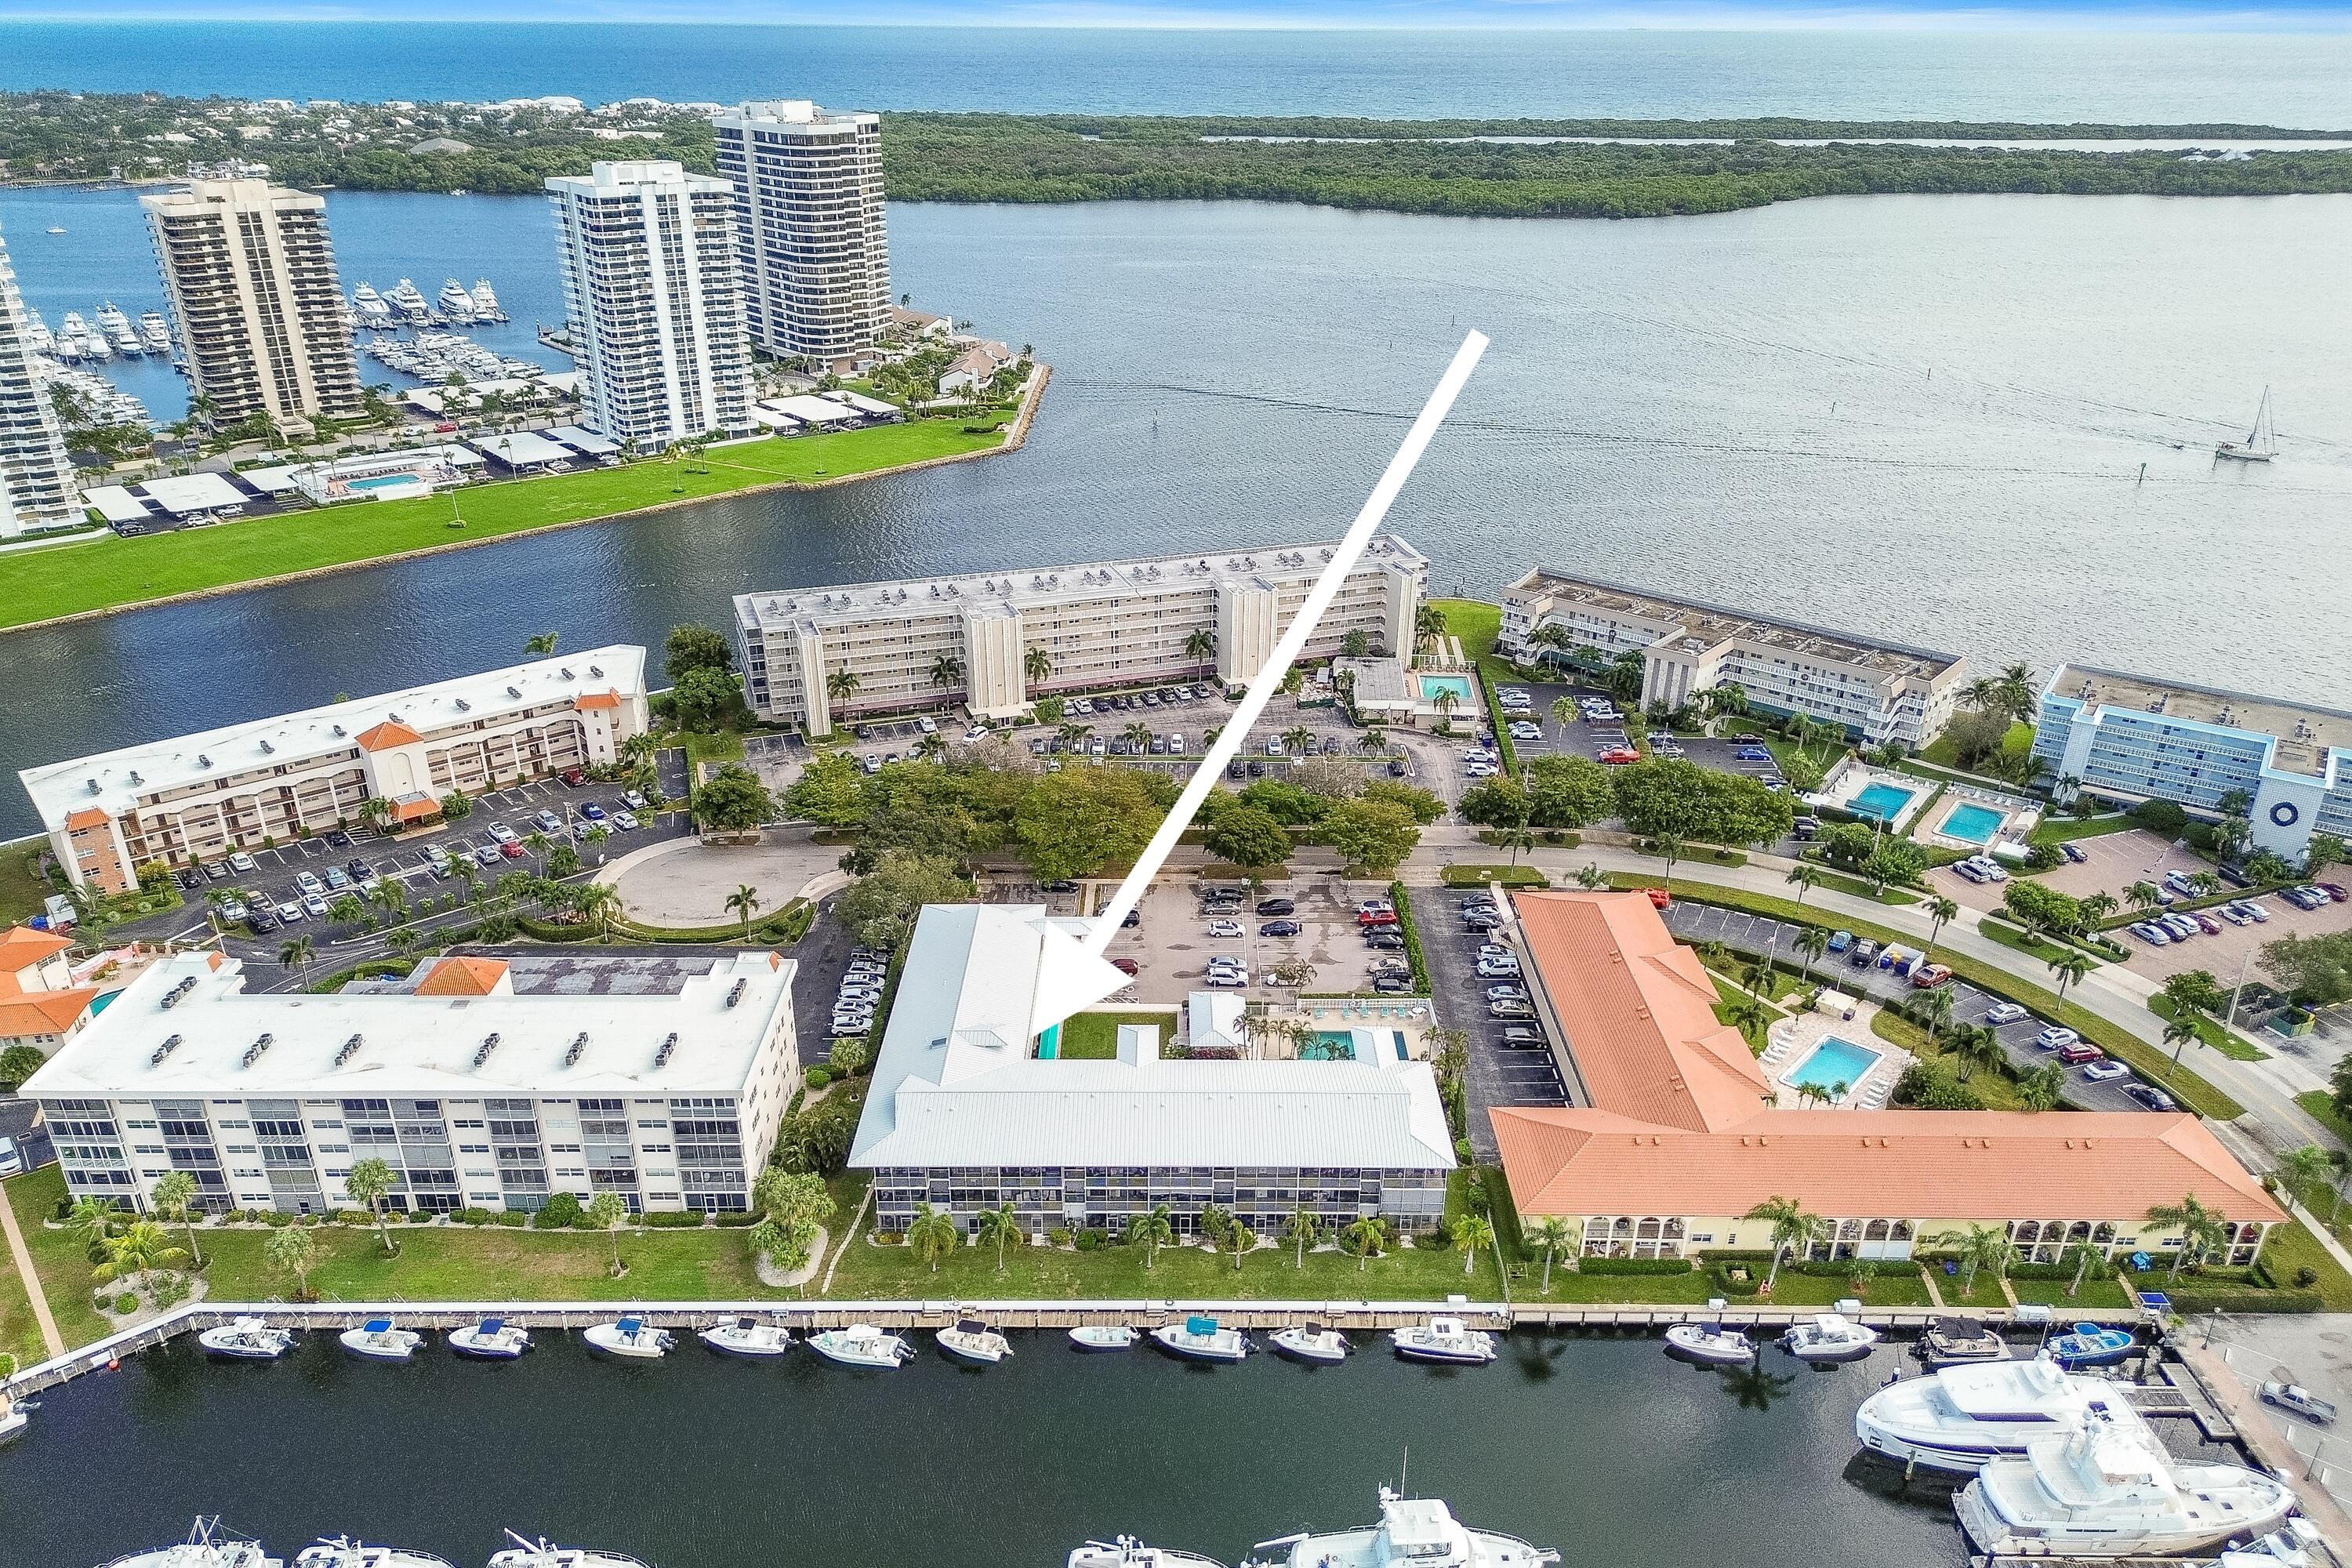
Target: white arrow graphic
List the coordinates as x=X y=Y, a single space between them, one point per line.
x=1072 y=975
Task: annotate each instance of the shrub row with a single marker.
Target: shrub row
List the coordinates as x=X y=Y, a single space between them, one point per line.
x=1398 y=897
x=1634 y=1265
x=1508 y=876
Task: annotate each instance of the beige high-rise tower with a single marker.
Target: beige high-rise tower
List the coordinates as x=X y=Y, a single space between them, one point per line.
x=251 y=276
x=816 y=257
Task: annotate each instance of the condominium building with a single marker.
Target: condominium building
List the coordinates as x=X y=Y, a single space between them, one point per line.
x=654 y=301
x=809 y=232
x=1877 y=692
x=244 y=786
x=998 y=641
x=41 y=1003
x=483 y=1084
x=250 y=273
x=972 y=1109
x=37 y=476
x=2165 y=739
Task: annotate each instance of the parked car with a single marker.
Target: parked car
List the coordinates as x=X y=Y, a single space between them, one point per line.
x=2293 y=1396
x=2102 y=1070
x=1927 y=977
x=2234 y=915
x=2074 y=852
x=2079 y=1052
x=1228 y=979
x=1660 y=899
x=338 y=878
x=1751 y=754
x=1384 y=939
x=2179 y=882
x=1522 y=1037
x=1510 y=1007
x=1391 y=983
x=261 y=920
x=315 y=906
x=575 y=777
x=1864 y=951
x=548 y=821
x=1224 y=928
x=309 y=881
x=1840 y=940
x=2336 y=891
x=2150 y=932
x=2004 y=1013
x=1377 y=918
x=1276 y=906
x=1617 y=756
x=2056 y=1038
x=502 y=833
x=626 y=821
x=337 y=837
x=2150 y=1096
x=1126 y=966
x=1507 y=993
x=289 y=911
x=2254 y=911
x=1278 y=928
x=634 y=799
x=1497 y=969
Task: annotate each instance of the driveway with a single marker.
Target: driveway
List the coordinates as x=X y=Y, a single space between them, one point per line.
x=1498 y=1075
x=688 y=884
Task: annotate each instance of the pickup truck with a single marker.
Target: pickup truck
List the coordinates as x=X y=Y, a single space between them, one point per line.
x=2293 y=1396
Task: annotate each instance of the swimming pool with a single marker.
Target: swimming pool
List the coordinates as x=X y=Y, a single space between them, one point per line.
x=1883 y=801
x=1973 y=824
x=382 y=482
x=1328 y=1046
x=1430 y=685
x=1833 y=1062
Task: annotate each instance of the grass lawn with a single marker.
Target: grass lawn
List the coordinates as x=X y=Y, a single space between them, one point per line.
x=1996 y=1089
x=2227 y=1041
x=114 y=570
x=1094 y=1036
x=58 y=1258
x=493 y=1263
x=2041 y=948
x=1860 y=887
x=2292 y=1248
x=2321 y=1107
x=2150 y=1062
x=2107 y=1293
x=22 y=890
x=2059 y=829
x=1477 y=625
x=1941 y=752
x=1042 y=1273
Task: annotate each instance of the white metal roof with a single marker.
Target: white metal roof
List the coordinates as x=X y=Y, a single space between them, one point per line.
x=269 y=481
x=116 y=504
x=521 y=447
x=862 y=403
x=581 y=440
x=413 y=1044
x=810 y=410
x=113 y=780
x=181 y=494
x=954 y=1083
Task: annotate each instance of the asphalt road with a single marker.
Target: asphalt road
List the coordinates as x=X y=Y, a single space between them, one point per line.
x=1498 y=1075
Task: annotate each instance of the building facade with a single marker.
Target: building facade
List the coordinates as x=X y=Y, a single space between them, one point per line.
x=654 y=301
x=1877 y=692
x=811 y=242
x=244 y=786
x=968 y=1111
x=41 y=1004
x=1672 y=1138
x=2162 y=740
x=250 y=270
x=819 y=657
x=37 y=476
x=482 y=1085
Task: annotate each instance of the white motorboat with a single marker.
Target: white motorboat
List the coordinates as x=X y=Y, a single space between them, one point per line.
x=1312 y=1342
x=2290 y=1546
x=492 y=1339
x=631 y=1339
x=861 y=1344
x=748 y=1337
x=370 y=308
x=1963 y=1417
x=1957 y=1342
x=154 y=333
x=1126 y=1551
x=1202 y=1339
x=485 y=303
x=528 y=1553
x=407 y=303
x=456 y=303
x=1413 y=1533
x=1710 y=1344
x=1104 y=1337
x=378 y=1340
x=974 y=1341
x=206 y=1547
x=112 y=321
x=1445 y=1340
x=246 y=1339
x=15 y=1416
x=343 y=1551
x=1830 y=1337
x=2114 y=1493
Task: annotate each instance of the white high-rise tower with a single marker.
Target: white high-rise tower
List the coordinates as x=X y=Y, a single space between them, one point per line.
x=37 y=476
x=809 y=226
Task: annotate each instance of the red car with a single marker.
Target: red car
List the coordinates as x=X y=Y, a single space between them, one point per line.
x=575 y=777
x=1660 y=899
x=1376 y=918
x=2334 y=890
x=1124 y=966
x=511 y=851
x=2078 y=1052
x=1929 y=977
x=1616 y=754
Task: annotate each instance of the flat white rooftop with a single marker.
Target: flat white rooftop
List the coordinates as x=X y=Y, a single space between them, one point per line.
x=2306 y=731
x=581 y=440
x=520 y=449
x=375 y=1043
x=810 y=410
x=182 y=494
x=116 y=503
x=113 y=780
x=1704 y=624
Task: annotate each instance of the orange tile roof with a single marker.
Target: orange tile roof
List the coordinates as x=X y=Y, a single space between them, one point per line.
x=1911 y=1165
x=458 y=975
x=409 y=808
x=43 y=1011
x=87 y=816
x=21 y=947
x=588 y=700
x=386 y=735
x=1638 y=1011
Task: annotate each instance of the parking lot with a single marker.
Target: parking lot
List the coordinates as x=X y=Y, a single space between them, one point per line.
x=1776 y=939
x=1499 y=1075
x=1582 y=738
x=1170 y=945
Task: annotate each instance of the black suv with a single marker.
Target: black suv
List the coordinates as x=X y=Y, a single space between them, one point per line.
x=1276 y=906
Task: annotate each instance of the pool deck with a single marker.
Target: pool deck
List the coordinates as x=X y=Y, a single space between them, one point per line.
x=1792 y=1042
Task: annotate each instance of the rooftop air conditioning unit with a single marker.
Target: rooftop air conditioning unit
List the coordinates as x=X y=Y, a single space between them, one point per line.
x=171 y=1043
x=735 y=993
x=350 y=1049
x=571 y=1057
x=253 y=1052
x=489 y=1043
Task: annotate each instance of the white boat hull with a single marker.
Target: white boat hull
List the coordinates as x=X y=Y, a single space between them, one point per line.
x=399 y=1345
x=646 y=1344
x=1099 y=1340
x=1329 y=1348
x=1223 y=1347
x=975 y=1350
x=751 y=1346
x=2090 y=1535
x=1709 y=1350
x=13 y=1424
x=471 y=1343
x=232 y=1343
x=884 y=1352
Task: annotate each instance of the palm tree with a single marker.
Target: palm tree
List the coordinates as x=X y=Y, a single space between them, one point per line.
x=1552 y=1234
x=1814 y=943
x=539 y=844
x=92 y=1220
x=1137 y=736
x=1375 y=738
x=1805 y=877
x=1981 y=1247
x=1201 y=646
x=931 y=747
x=1940 y=911
x=606 y=1212
x=1667 y=847
x=389 y=897
x=946 y=670
x=371 y=1180
x=142 y=1246
x=1000 y=1225
x=175 y=1198
x=599 y=903
x=744 y=902
x=932 y=1235
x=1564 y=712
x=347 y=909
x=1036 y=664
x=1935 y=1011
x=2304 y=1172
x=1151 y=1232
x=1471 y=1232
x=1304 y=1227
x=841 y=685
x=2143 y=896
x=2201 y=1230
x=1446 y=700
x=1299 y=738
x=290 y=1250
x=2069 y=966
x=1975 y=1045
x=296 y=954
x=541 y=645
x=1748 y=1016
x=462 y=867
x=2098 y=908
x=2178 y=1034
x=1792 y=1229
x=1428 y=626
x=1363 y=1238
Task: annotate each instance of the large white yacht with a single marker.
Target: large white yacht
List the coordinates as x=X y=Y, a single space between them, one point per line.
x=485 y=303
x=1965 y=1416
x=408 y=302
x=207 y=1546
x=2114 y=1493
x=370 y=308
x=456 y=303
x=1129 y=1552
x=343 y=1551
x=529 y=1553
x=1413 y=1533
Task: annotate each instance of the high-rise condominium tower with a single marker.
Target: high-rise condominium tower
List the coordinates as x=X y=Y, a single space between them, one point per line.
x=809 y=228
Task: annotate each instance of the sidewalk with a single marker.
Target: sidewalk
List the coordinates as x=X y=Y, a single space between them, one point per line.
x=23 y=1260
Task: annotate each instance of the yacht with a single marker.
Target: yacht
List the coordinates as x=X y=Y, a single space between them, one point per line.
x=206 y=1547
x=14 y=1418
x=2261 y=444
x=1202 y=1339
x=974 y=1341
x=377 y=1340
x=1830 y=1337
x=2114 y=1493
x=119 y=330
x=370 y=308
x=343 y=1551
x=631 y=1339
x=1413 y=1533
x=2091 y=1345
x=246 y=1339
x=1962 y=1418
x=57 y=228
x=2290 y=1547
x=154 y=333
x=861 y=1344
x=1445 y=1340
x=36 y=332
x=538 y=1553
x=408 y=304
x=485 y=303
x=1104 y=1337
x=1311 y=1343
x=1126 y=1551
x=456 y=303
x=748 y=1337
x=1710 y=1344
x=1957 y=1342
x=492 y=1339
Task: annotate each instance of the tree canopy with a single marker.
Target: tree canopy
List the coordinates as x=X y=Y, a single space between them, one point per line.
x=732 y=800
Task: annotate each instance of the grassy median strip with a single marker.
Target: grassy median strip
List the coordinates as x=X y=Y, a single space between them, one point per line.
x=2151 y=1063
x=113 y=572
x=2212 y=1032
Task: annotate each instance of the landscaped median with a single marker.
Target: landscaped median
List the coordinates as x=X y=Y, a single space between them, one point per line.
x=2148 y=1060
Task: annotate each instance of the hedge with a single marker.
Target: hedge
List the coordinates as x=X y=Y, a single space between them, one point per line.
x=1632 y=1265
x=783 y=928
x=2189 y=1303
x=1403 y=903
x=1508 y=876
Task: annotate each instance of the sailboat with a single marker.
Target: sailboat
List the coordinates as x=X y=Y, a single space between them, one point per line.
x=2261 y=444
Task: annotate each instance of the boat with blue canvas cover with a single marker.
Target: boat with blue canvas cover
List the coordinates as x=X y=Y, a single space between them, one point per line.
x=492 y=1339
x=1202 y=1339
x=630 y=1338
x=2088 y=1344
x=378 y=1340
x=749 y=1338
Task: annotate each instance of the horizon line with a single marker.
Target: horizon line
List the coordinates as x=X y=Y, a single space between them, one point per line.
x=2318 y=20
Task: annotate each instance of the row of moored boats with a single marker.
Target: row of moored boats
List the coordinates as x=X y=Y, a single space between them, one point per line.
x=210 y=1546
x=108 y=334
x=404 y=305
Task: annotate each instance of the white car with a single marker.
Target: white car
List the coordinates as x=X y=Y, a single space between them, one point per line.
x=2055 y=1038
x=1479 y=771
x=290 y=911
x=2234 y=915
x=1229 y=979
x=240 y=861
x=12 y=1159
x=1526 y=730
x=927 y=726
x=2103 y=1070
x=977 y=732
x=1488 y=969
x=1224 y=928
x=626 y=821
x=2254 y=911
x=2004 y=1013
x=309 y=883
x=234 y=909
x=315 y=905
x=503 y=834
x=634 y=799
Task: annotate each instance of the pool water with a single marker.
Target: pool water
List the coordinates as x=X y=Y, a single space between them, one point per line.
x=1973 y=824
x=381 y=481
x=1833 y=1062
x=1884 y=801
x=1330 y=1045
x=1430 y=685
